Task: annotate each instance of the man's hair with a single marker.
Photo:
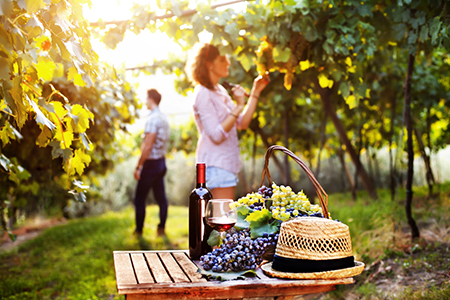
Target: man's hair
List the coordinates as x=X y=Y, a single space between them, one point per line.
x=152 y=93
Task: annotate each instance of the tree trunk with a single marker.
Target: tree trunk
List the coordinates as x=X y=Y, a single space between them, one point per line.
x=322 y=143
x=426 y=159
x=331 y=111
x=348 y=174
x=391 y=137
x=409 y=177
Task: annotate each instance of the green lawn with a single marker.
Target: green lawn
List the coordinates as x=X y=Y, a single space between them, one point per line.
x=75 y=261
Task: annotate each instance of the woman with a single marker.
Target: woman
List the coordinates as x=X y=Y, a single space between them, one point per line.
x=217 y=118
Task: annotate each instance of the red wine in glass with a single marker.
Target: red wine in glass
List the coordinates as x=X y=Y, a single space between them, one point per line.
x=221 y=215
x=221 y=223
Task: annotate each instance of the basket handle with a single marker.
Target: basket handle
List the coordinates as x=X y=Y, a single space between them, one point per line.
x=319 y=190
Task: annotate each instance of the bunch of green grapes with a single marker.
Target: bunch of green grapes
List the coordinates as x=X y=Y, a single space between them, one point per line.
x=285 y=204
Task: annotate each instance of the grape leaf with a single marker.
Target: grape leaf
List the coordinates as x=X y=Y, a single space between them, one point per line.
x=79 y=161
x=5 y=162
x=40 y=117
x=224 y=276
x=242 y=213
x=214 y=238
x=260 y=222
x=4 y=68
x=45 y=67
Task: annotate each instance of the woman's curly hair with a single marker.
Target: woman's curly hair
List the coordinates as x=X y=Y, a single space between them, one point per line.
x=196 y=68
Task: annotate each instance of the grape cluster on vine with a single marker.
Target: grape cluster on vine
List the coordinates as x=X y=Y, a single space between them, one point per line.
x=238 y=252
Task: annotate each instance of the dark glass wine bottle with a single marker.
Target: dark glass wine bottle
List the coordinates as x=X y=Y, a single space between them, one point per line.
x=198 y=229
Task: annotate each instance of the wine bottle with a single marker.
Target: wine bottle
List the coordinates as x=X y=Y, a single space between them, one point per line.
x=229 y=87
x=198 y=229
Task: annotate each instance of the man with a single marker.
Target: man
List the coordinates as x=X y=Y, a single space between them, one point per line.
x=151 y=167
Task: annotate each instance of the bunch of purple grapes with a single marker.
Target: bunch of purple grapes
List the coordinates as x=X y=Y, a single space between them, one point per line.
x=238 y=252
x=265 y=191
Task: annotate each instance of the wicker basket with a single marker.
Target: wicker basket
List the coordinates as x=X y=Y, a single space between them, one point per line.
x=323 y=197
x=311 y=247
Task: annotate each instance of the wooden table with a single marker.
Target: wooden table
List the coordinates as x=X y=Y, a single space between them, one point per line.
x=173 y=275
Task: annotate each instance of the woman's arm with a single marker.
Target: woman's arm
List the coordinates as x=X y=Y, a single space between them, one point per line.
x=259 y=84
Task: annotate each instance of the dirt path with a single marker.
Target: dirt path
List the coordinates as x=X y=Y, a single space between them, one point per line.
x=27 y=232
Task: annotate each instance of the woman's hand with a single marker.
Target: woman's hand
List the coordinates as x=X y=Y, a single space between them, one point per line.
x=260 y=83
x=239 y=95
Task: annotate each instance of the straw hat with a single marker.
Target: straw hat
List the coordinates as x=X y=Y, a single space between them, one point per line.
x=313 y=248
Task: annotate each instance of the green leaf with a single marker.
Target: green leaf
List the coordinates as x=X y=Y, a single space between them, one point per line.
x=224 y=276
x=412 y=37
x=423 y=33
x=259 y=223
x=44 y=137
x=40 y=117
x=4 y=162
x=4 y=68
x=57 y=151
x=309 y=29
x=434 y=29
x=344 y=88
x=214 y=238
x=246 y=61
x=242 y=213
x=281 y=54
x=398 y=31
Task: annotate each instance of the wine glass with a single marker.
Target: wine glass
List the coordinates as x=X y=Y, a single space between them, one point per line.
x=221 y=215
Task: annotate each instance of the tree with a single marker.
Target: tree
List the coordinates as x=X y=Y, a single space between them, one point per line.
x=52 y=100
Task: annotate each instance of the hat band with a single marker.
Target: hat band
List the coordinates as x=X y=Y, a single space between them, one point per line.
x=295 y=265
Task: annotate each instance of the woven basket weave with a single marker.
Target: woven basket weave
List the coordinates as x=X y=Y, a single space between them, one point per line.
x=312 y=239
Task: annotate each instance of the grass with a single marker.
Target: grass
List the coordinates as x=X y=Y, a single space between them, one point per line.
x=74 y=260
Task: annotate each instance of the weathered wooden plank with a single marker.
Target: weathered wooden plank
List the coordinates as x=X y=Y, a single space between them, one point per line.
x=284 y=298
x=157 y=268
x=141 y=269
x=175 y=271
x=124 y=269
x=183 y=271
x=189 y=267
x=229 y=292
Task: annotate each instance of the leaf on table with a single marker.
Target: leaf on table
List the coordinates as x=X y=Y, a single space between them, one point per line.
x=225 y=276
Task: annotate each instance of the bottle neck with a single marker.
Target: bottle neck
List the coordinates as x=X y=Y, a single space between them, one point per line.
x=201 y=175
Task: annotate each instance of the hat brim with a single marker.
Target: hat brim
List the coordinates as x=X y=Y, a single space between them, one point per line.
x=341 y=273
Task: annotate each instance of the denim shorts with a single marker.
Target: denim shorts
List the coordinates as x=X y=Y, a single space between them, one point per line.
x=220 y=178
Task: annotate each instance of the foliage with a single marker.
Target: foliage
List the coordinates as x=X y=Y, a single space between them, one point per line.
x=355 y=50
x=60 y=109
